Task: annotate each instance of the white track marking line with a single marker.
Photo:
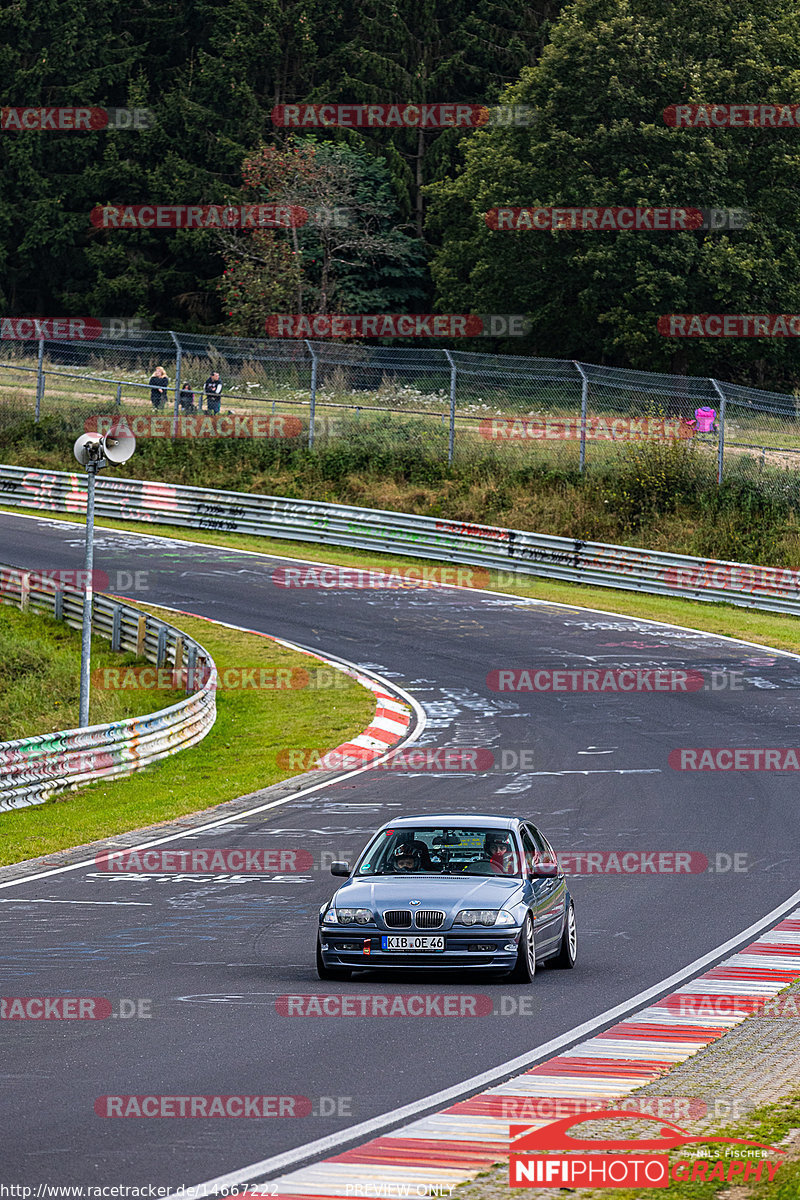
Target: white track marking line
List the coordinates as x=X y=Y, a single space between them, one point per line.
x=315 y=1149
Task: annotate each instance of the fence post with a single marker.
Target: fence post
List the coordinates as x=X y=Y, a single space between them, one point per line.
x=177 y=383
x=39 y=381
x=312 y=404
x=721 y=445
x=584 y=407
x=119 y=394
x=452 y=440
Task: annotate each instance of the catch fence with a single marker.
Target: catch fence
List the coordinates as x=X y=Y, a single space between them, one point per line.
x=450 y=405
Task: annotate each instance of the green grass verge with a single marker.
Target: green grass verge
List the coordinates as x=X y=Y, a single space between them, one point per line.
x=238 y=756
x=40 y=677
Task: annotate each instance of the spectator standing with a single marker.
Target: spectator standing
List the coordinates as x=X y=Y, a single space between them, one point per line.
x=186 y=398
x=159 y=383
x=213 y=391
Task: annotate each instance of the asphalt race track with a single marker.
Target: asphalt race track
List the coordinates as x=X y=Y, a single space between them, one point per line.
x=211 y=956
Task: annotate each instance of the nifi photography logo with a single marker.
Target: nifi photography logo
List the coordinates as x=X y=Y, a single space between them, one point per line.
x=546 y=1158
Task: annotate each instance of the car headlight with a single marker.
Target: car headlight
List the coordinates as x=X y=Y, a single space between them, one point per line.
x=329 y=915
x=478 y=916
x=346 y=916
x=504 y=917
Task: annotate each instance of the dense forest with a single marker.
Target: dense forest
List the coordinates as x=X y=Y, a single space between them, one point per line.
x=398 y=215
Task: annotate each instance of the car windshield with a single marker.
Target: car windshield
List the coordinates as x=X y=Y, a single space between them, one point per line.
x=440 y=850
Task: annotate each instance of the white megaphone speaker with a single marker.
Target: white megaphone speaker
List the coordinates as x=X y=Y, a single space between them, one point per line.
x=113 y=447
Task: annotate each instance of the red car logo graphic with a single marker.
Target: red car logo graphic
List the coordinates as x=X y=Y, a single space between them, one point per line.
x=555 y=1135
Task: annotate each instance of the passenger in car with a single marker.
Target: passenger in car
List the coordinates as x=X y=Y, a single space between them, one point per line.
x=500 y=853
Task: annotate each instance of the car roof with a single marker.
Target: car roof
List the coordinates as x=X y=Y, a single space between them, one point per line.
x=461 y=820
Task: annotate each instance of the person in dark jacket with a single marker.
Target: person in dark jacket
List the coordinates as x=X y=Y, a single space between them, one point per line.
x=213 y=391
x=186 y=398
x=158 y=388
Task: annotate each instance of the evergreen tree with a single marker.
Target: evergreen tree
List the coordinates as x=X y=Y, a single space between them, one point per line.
x=610 y=70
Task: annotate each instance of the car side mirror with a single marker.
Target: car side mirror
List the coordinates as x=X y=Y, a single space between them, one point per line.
x=544 y=870
x=341 y=868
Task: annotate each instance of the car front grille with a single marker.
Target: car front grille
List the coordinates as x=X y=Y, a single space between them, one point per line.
x=430 y=918
x=397 y=918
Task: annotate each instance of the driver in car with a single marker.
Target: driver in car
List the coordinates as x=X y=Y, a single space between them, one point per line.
x=498 y=849
x=406 y=859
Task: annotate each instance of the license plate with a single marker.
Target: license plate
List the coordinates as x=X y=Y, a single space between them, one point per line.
x=407 y=942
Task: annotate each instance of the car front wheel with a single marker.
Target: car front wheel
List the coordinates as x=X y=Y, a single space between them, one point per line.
x=525 y=967
x=330 y=972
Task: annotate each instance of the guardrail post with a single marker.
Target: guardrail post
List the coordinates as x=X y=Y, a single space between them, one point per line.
x=39 y=381
x=141 y=636
x=58 y=605
x=584 y=408
x=452 y=440
x=161 y=647
x=178 y=660
x=178 y=357
x=116 y=627
x=191 y=667
x=721 y=443
x=312 y=404
x=24 y=591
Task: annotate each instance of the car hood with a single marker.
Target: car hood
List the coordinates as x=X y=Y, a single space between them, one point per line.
x=433 y=891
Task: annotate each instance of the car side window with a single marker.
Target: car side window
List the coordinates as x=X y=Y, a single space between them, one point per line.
x=529 y=849
x=544 y=850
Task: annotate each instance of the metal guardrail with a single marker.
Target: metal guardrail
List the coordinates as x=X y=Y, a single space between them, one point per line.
x=774 y=589
x=34 y=768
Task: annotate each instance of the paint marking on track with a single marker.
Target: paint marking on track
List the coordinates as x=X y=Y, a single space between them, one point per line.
x=104 y=903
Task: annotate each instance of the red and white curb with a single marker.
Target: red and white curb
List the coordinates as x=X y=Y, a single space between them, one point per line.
x=389 y=726
x=452 y=1146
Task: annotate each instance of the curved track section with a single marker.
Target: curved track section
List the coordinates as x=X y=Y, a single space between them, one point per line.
x=213 y=956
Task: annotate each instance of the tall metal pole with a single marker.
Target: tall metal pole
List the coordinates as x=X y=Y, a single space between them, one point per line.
x=88 y=562
x=178 y=358
x=584 y=408
x=312 y=403
x=721 y=434
x=39 y=381
x=452 y=438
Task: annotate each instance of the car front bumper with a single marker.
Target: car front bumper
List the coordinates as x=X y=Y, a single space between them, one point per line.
x=466 y=949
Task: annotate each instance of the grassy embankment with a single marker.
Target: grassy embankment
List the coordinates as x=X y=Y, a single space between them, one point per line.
x=38 y=661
